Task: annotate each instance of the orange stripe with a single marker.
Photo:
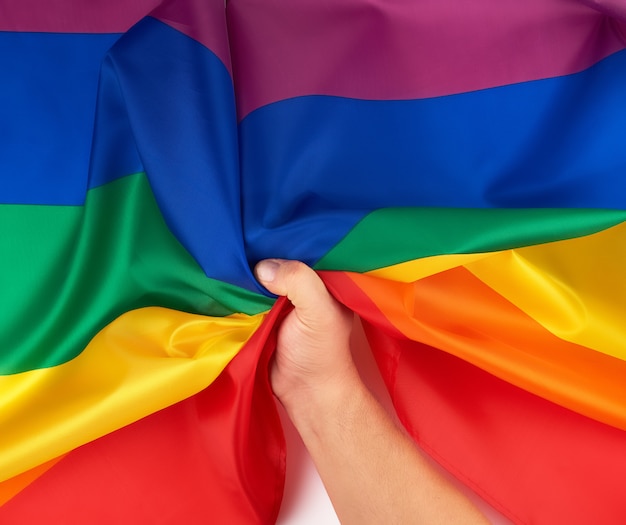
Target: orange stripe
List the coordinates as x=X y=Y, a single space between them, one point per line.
x=458 y=313
x=16 y=484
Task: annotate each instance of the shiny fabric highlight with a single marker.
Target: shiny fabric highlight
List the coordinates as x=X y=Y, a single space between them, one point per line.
x=454 y=170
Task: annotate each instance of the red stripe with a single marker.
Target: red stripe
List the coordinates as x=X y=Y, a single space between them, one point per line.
x=218 y=457
x=533 y=460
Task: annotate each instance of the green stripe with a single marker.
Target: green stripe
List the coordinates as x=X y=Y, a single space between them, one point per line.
x=394 y=235
x=66 y=272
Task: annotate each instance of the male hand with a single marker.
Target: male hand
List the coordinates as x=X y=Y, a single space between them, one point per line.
x=372 y=470
x=313 y=353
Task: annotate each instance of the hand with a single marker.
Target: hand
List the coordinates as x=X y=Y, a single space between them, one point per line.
x=372 y=470
x=313 y=352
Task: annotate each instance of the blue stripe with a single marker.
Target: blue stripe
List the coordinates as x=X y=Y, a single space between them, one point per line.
x=47 y=96
x=313 y=166
x=173 y=101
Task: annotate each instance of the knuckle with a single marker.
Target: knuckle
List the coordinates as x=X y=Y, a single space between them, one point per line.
x=295 y=270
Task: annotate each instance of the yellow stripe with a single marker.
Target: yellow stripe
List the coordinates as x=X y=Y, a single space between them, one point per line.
x=142 y=362
x=416 y=269
x=576 y=288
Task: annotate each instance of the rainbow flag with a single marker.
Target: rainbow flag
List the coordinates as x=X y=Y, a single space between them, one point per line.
x=456 y=172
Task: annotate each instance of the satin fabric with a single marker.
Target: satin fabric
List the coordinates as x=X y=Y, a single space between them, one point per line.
x=217 y=456
x=78 y=286
x=210 y=150
x=145 y=360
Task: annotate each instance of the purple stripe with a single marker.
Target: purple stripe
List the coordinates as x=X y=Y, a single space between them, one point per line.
x=73 y=16
x=402 y=49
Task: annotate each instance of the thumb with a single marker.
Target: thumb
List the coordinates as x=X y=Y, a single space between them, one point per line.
x=299 y=283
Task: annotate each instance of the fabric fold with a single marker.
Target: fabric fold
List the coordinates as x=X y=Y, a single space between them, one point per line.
x=455 y=173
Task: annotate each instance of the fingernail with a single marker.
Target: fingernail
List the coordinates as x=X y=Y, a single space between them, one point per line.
x=266 y=270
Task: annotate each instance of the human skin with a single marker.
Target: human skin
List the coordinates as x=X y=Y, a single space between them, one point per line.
x=372 y=470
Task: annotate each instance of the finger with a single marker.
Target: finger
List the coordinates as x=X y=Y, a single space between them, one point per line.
x=298 y=282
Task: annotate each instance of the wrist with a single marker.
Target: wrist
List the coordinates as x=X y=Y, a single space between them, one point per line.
x=315 y=409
